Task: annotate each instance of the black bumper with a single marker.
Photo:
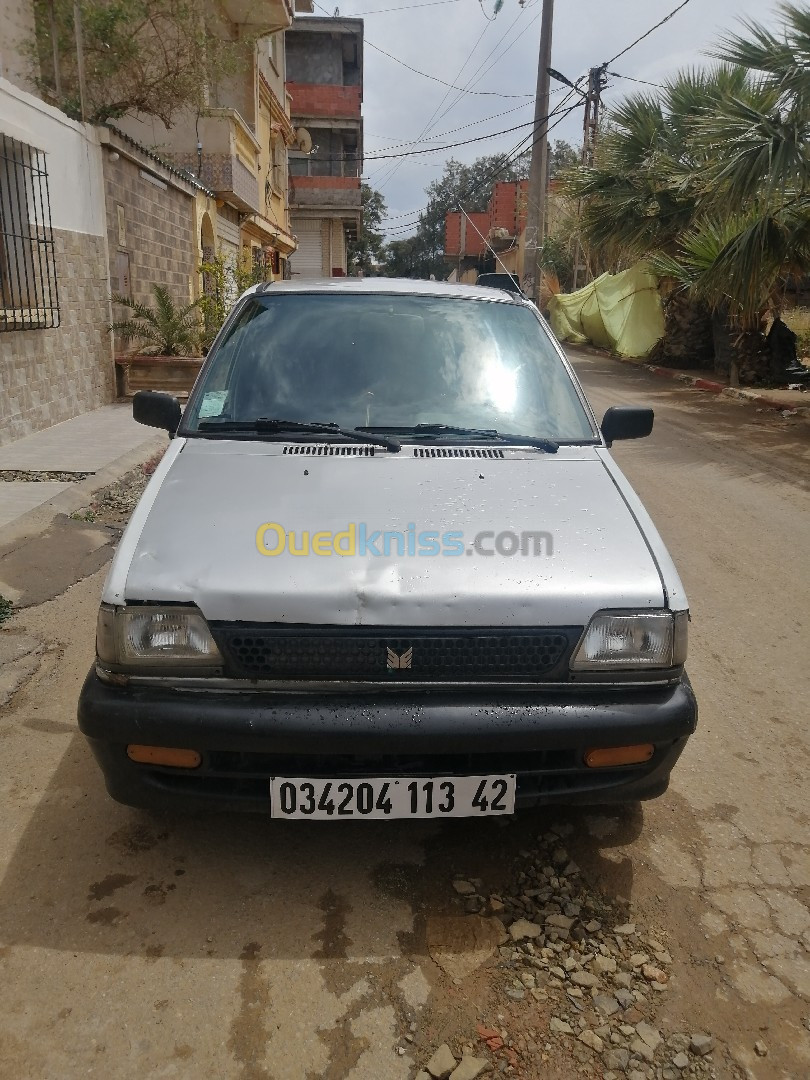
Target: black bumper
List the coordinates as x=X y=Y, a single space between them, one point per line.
x=247 y=737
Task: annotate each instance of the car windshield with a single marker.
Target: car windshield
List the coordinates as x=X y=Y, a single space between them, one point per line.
x=389 y=361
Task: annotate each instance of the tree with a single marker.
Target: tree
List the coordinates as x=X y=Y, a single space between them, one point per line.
x=165 y=330
x=561 y=157
x=367 y=252
x=711 y=179
x=150 y=56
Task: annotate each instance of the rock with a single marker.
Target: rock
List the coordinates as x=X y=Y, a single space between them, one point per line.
x=681 y=1061
x=422 y=1075
x=442 y=1063
x=654 y=974
x=637 y=959
x=593 y=927
x=760 y=1049
x=603 y=965
x=515 y=994
x=469 y=1068
x=701 y=1044
x=560 y=1027
x=605 y=1004
x=563 y=922
x=584 y=978
x=523 y=930
x=495 y=905
x=625 y=998
x=650 y=1035
x=460 y=944
x=626 y=929
x=638 y=1046
x=590 y=1038
x=617 y=1059
x=623 y=978
x=663 y=957
x=463 y=888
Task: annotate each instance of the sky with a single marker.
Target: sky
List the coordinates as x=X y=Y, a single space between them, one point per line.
x=461 y=42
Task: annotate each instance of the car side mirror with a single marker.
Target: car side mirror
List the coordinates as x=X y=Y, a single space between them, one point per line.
x=156 y=410
x=626 y=422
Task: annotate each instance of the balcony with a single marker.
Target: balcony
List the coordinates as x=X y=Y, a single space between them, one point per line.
x=230 y=159
x=325 y=192
x=325 y=101
x=262 y=16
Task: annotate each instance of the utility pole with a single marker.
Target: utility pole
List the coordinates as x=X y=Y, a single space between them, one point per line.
x=538 y=175
x=590 y=133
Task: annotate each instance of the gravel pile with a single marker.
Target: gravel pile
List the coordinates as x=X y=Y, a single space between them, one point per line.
x=116 y=502
x=10 y=475
x=599 y=977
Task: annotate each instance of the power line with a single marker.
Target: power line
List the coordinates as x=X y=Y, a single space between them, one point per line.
x=629 y=78
x=435 y=78
x=633 y=44
x=391 y=172
x=406 y=7
x=443 y=134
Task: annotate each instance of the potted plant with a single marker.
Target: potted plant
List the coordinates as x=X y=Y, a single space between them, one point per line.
x=167 y=339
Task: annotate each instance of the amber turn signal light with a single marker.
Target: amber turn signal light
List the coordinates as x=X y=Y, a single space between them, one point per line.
x=164 y=755
x=619 y=755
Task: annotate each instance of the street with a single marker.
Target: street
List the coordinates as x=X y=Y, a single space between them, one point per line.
x=133 y=944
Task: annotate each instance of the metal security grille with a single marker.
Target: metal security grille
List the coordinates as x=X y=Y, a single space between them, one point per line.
x=454 y=655
x=29 y=295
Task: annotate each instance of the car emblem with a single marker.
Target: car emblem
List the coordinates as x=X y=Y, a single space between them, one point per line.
x=396 y=662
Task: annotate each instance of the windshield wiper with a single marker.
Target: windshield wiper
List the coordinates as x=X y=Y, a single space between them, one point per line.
x=264 y=426
x=431 y=431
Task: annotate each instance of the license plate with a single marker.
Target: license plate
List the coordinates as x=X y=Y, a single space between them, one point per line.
x=383 y=797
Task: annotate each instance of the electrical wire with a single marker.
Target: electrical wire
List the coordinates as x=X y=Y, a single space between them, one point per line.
x=652 y=29
x=390 y=172
x=435 y=78
x=630 y=78
x=406 y=7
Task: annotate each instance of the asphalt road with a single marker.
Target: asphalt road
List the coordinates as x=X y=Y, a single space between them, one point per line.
x=133 y=945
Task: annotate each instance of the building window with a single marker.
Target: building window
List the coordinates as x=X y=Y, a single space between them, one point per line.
x=29 y=296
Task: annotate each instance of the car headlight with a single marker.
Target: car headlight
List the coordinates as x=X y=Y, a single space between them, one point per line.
x=630 y=639
x=155 y=637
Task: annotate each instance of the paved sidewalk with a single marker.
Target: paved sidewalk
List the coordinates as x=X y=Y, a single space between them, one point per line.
x=93 y=443
x=789 y=402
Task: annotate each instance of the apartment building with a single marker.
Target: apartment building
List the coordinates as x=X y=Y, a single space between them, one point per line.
x=236 y=145
x=325 y=83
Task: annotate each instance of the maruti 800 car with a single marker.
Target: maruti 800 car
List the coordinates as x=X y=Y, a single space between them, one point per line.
x=388 y=568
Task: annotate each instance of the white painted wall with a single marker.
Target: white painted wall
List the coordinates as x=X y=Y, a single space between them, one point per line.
x=73 y=156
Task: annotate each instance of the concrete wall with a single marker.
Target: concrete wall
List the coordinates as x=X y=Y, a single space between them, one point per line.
x=314 y=58
x=47 y=376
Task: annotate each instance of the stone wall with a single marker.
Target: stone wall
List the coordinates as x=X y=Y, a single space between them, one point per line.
x=47 y=376
x=150 y=223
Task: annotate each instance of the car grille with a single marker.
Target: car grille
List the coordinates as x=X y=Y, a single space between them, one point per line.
x=392 y=655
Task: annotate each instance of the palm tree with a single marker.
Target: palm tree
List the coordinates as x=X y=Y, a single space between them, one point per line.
x=166 y=330
x=712 y=180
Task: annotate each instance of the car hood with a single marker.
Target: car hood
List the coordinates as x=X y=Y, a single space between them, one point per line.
x=193 y=538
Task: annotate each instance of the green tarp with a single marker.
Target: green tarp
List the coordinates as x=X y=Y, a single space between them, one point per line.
x=621 y=312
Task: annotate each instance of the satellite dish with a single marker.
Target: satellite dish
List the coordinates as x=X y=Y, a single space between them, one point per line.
x=303 y=140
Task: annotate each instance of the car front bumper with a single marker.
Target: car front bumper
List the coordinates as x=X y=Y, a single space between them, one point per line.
x=247 y=736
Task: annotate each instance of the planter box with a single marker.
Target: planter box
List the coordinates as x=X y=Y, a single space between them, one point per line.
x=171 y=374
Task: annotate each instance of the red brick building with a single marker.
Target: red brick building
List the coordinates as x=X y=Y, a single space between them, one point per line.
x=499 y=226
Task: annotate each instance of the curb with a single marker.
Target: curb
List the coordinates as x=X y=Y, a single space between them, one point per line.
x=735 y=392
x=76 y=496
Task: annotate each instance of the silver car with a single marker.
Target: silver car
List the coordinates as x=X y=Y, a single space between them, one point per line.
x=388 y=568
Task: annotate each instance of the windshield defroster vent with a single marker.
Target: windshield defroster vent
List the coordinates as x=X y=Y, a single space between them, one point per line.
x=457 y=451
x=329 y=450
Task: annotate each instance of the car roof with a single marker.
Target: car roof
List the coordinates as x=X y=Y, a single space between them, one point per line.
x=390 y=286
